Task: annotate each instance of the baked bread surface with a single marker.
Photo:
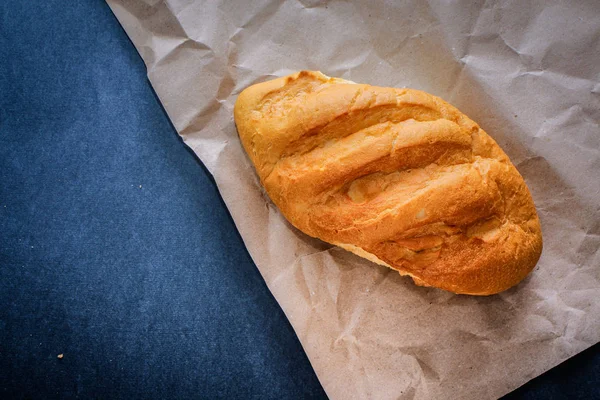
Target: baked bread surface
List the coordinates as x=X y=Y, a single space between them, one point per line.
x=397 y=176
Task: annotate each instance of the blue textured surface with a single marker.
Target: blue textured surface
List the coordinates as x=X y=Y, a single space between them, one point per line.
x=115 y=247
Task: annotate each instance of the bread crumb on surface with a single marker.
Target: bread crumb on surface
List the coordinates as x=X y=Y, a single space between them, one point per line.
x=61 y=355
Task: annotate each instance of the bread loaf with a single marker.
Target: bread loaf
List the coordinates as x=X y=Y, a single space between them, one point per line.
x=397 y=176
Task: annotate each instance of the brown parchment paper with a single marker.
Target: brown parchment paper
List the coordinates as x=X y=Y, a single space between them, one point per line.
x=527 y=72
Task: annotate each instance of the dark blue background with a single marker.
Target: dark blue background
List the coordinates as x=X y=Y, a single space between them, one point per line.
x=115 y=247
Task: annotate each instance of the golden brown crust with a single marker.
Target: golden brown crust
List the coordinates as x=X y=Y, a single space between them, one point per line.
x=397 y=176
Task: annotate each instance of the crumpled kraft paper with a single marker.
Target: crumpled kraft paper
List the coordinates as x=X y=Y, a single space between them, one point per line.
x=527 y=72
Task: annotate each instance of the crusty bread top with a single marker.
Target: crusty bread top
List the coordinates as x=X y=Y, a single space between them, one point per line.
x=395 y=175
